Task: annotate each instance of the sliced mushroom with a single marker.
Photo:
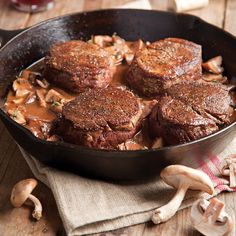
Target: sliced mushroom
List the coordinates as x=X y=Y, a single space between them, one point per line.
x=42 y=83
x=53 y=96
x=17 y=116
x=131 y=145
x=117 y=40
x=41 y=98
x=102 y=40
x=214 y=65
x=17 y=83
x=210 y=218
x=137 y=45
x=129 y=57
x=22 y=191
x=228 y=168
x=208 y=77
x=18 y=101
x=30 y=98
x=182 y=178
x=22 y=93
x=20 y=83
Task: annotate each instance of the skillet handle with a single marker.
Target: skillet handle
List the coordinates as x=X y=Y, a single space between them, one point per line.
x=6 y=35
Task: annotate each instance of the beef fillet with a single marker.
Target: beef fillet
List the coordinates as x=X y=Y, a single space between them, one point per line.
x=176 y=122
x=77 y=65
x=101 y=118
x=164 y=63
x=211 y=100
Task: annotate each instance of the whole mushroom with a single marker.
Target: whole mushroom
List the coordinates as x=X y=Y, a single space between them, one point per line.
x=210 y=218
x=22 y=191
x=182 y=178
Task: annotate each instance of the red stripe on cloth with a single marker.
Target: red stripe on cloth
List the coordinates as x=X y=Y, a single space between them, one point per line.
x=216 y=161
x=219 y=184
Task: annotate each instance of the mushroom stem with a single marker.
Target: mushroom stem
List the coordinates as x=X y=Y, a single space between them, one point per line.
x=37 y=213
x=232 y=175
x=165 y=212
x=228 y=168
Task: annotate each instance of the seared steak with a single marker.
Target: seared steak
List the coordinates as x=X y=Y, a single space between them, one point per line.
x=164 y=63
x=208 y=99
x=101 y=118
x=176 y=122
x=77 y=65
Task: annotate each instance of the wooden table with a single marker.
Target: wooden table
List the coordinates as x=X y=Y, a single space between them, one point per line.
x=13 y=167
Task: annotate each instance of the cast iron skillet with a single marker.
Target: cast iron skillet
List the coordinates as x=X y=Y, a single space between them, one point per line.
x=33 y=43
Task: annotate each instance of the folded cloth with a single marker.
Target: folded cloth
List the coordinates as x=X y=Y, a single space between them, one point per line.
x=89 y=206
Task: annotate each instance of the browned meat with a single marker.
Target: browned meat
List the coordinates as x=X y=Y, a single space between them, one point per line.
x=176 y=122
x=164 y=63
x=208 y=99
x=101 y=118
x=77 y=65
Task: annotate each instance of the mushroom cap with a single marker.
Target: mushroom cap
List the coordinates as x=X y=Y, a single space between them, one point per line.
x=176 y=175
x=21 y=191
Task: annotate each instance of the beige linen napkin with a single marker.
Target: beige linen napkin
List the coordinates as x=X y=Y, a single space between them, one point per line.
x=91 y=206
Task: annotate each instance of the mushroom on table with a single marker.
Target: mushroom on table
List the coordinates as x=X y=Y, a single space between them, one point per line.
x=22 y=191
x=228 y=168
x=210 y=218
x=182 y=178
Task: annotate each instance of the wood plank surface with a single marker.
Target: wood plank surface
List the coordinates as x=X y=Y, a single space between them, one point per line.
x=13 y=167
x=230 y=17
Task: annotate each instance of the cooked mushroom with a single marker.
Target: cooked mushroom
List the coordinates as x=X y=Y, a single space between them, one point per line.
x=131 y=145
x=102 y=40
x=22 y=191
x=129 y=58
x=20 y=83
x=208 y=77
x=210 y=219
x=53 y=96
x=228 y=168
x=18 y=100
x=137 y=45
x=22 y=93
x=42 y=83
x=214 y=65
x=41 y=98
x=17 y=116
x=182 y=178
x=16 y=84
x=30 y=98
x=134 y=47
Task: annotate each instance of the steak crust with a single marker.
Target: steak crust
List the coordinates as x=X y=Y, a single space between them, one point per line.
x=76 y=65
x=211 y=100
x=101 y=118
x=176 y=122
x=164 y=63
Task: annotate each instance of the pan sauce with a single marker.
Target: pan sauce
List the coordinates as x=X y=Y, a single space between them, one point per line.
x=26 y=107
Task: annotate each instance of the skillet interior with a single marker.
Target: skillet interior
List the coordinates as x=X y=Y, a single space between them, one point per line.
x=34 y=43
